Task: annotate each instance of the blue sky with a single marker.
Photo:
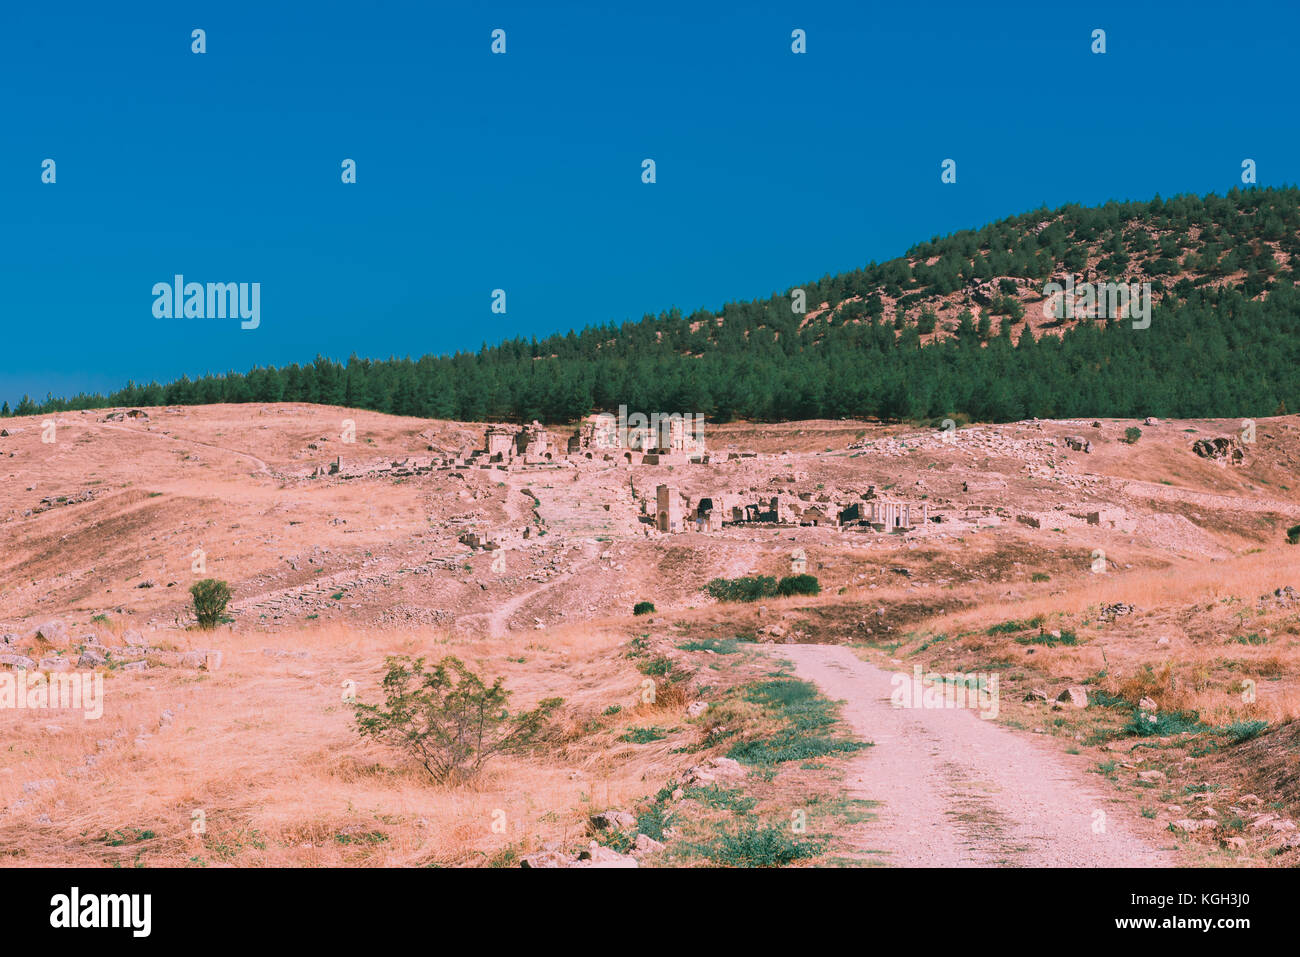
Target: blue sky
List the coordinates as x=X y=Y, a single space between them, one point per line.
x=523 y=171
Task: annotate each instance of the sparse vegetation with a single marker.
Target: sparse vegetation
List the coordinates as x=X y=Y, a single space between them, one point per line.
x=448 y=718
x=210 y=598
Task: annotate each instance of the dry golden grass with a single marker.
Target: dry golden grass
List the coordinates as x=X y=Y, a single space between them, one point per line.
x=265 y=750
x=1198 y=608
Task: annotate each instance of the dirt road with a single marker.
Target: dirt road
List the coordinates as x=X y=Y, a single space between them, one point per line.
x=956 y=790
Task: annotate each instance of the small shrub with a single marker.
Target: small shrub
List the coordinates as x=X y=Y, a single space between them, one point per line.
x=1132 y=434
x=1163 y=724
x=1040 y=577
x=448 y=718
x=719 y=646
x=1008 y=627
x=645 y=735
x=1240 y=731
x=210 y=598
x=799 y=585
x=1293 y=535
x=750 y=588
x=753 y=845
x=1254 y=638
x=1066 y=637
x=643 y=608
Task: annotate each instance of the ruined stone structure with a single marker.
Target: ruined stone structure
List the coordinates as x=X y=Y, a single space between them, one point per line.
x=669 y=509
x=889 y=515
x=499 y=444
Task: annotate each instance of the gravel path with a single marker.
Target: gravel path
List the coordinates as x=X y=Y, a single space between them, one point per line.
x=956 y=790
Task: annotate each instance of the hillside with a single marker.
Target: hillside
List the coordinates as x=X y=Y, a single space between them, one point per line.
x=955 y=327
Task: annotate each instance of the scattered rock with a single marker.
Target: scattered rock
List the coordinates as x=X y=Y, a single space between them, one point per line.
x=1191 y=827
x=1225 y=450
x=1117 y=610
x=1078 y=443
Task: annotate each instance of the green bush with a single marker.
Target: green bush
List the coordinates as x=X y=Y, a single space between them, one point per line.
x=1163 y=724
x=742 y=589
x=643 y=608
x=210 y=598
x=799 y=585
x=756 y=845
x=448 y=718
x=1293 y=535
x=1132 y=434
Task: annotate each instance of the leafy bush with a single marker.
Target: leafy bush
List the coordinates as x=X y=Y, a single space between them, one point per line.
x=1240 y=731
x=799 y=585
x=1132 y=434
x=750 y=588
x=448 y=718
x=643 y=608
x=210 y=598
x=1293 y=535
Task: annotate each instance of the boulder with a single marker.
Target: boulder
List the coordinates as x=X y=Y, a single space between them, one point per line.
x=612 y=821
x=92 y=657
x=1076 y=695
x=647 y=845
x=52 y=632
x=600 y=856
x=713 y=771
x=17 y=661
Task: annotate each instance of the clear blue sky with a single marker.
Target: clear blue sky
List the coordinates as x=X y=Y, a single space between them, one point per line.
x=523 y=171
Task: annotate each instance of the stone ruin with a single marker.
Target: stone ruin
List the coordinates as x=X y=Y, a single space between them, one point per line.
x=674 y=512
x=1112 y=518
x=1224 y=450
